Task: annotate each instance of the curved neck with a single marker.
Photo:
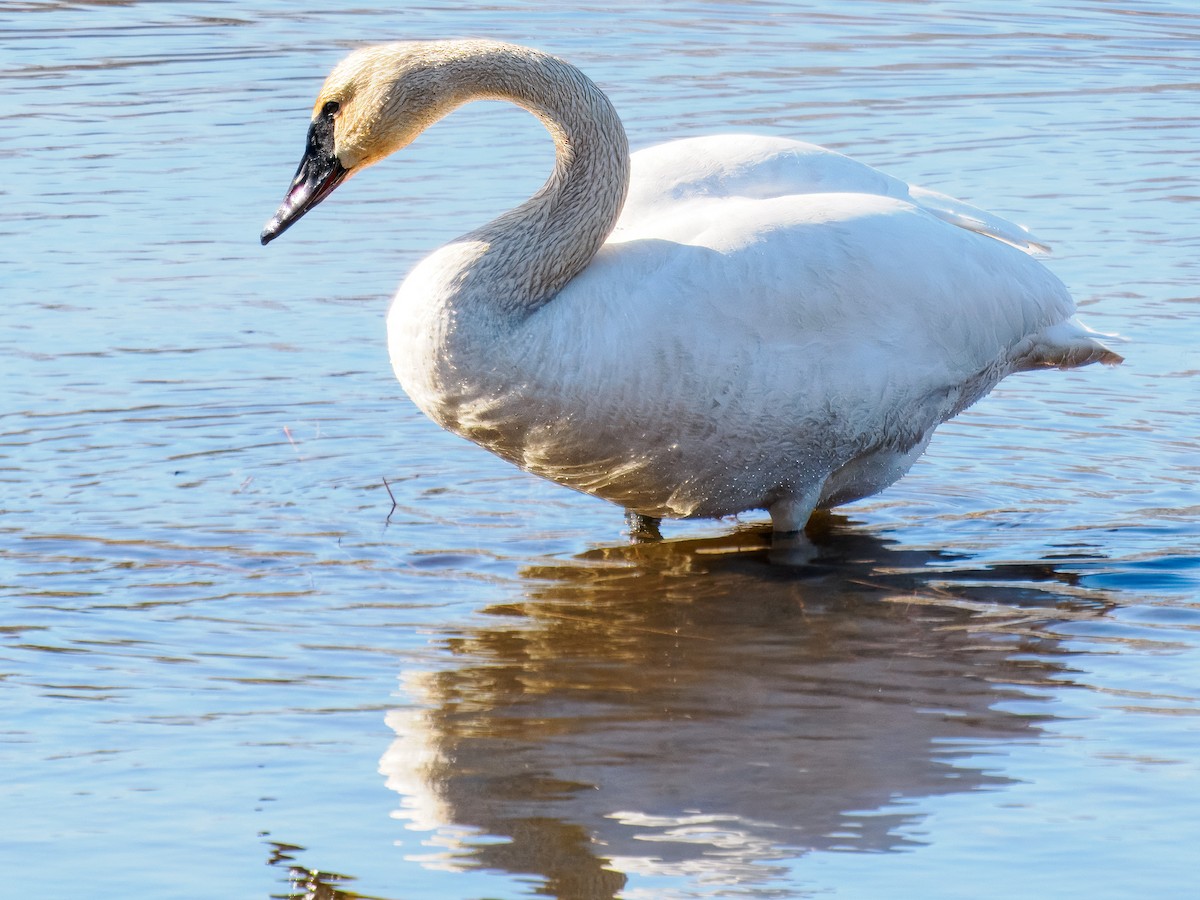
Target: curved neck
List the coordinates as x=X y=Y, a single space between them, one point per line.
x=528 y=254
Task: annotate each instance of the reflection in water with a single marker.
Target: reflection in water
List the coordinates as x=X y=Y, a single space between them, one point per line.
x=684 y=709
x=308 y=884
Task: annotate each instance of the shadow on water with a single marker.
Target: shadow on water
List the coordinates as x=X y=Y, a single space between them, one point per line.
x=684 y=709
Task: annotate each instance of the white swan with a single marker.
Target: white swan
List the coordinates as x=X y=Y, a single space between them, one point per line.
x=766 y=324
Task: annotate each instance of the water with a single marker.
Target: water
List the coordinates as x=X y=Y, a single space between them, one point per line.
x=230 y=668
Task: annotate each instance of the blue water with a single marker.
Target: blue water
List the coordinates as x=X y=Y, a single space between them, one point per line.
x=228 y=667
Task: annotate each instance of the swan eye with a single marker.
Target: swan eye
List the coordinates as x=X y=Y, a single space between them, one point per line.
x=330 y=108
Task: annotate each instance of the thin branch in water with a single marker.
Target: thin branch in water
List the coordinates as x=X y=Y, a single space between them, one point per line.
x=387 y=487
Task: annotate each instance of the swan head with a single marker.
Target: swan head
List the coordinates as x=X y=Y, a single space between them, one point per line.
x=375 y=102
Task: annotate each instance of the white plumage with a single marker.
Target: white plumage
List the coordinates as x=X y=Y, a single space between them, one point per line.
x=769 y=325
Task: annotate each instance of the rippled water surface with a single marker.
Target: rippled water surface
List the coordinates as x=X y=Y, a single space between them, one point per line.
x=229 y=668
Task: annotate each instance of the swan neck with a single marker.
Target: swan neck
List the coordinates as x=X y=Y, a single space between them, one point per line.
x=529 y=253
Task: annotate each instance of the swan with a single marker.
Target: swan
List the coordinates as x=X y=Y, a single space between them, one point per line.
x=705 y=327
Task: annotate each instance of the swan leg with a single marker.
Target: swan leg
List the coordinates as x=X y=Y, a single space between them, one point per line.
x=791 y=512
x=642 y=528
x=790 y=546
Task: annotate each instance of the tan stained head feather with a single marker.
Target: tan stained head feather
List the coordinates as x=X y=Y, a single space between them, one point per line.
x=387 y=94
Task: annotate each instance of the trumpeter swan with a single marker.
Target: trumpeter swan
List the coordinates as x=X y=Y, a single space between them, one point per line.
x=705 y=327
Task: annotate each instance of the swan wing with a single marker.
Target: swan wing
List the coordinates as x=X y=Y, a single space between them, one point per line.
x=972 y=218
x=856 y=285
x=759 y=167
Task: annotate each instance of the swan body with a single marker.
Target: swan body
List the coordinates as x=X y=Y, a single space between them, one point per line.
x=708 y=326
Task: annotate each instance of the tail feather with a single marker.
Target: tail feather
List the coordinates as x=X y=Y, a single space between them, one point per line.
x=1067 y=345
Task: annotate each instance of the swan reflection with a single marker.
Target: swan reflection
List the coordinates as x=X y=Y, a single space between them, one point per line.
x=684 y=709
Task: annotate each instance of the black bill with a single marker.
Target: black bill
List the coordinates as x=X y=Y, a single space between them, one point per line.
x=316 y=177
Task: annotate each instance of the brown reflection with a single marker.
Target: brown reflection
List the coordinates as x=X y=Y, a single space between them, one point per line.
x=686 y=709
x=309 y=884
